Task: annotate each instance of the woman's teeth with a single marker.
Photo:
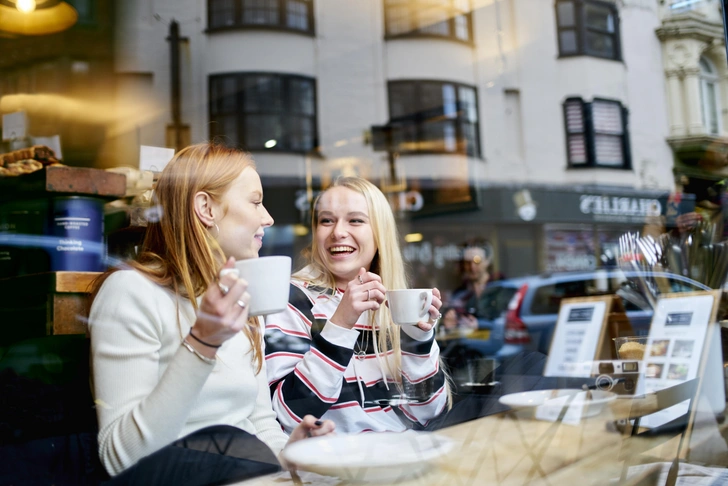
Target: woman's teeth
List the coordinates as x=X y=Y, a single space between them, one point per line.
x=340 y=249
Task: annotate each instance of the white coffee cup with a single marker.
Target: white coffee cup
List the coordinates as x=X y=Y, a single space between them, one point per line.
x=409 y=306
x=268 y=283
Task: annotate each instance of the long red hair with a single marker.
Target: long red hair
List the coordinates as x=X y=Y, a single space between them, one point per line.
x=178 y=251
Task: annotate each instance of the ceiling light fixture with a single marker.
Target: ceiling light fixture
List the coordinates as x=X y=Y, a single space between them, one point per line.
x=36 y=17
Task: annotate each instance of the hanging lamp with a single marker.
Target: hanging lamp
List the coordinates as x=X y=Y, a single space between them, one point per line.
x=36 y=17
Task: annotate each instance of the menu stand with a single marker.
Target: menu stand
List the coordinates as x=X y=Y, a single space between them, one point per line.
x=583 y=334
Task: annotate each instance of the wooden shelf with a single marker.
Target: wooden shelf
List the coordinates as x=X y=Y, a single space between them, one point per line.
x=44 y=304
x=56 y=180
x=47 y=282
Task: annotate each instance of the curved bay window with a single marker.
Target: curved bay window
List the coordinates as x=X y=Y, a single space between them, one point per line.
x=264 y=111
x=709 y=96
x=596 y=133
x=429 y=18
x=434 y=116
x=588 y=27
x=295 y=15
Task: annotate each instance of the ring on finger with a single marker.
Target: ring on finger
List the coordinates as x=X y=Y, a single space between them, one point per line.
x=241 y=304
x=369 y=297
x=223 y=288
x=360 y=280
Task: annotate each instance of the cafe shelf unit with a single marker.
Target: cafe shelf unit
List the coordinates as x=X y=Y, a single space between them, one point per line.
x=53 y=219
x=44 y=304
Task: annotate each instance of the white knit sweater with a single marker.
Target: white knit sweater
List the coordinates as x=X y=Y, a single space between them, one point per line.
x=150 y=390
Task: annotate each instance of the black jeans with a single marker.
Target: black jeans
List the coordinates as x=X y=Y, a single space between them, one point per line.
x=214 y=455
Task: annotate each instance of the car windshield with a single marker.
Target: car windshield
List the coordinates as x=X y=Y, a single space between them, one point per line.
x=494 y=301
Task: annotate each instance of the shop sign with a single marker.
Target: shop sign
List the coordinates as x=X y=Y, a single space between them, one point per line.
x=404 y=201
x=428 y=254
x=616 y=208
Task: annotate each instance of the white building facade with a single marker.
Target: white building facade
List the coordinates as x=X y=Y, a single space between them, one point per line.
x=478 y=99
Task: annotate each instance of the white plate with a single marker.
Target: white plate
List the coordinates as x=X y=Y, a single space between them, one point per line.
x=557 y=399
x=385 y=456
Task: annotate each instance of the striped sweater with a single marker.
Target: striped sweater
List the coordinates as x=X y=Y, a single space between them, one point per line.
x=313 y=368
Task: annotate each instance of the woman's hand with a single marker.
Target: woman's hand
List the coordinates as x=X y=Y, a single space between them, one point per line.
x=310 y=426
x=223 y=310
x=364 y=293
x=434 y=311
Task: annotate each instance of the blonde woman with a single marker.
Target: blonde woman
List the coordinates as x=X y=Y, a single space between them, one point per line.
x=178 y=368
x=335 y=352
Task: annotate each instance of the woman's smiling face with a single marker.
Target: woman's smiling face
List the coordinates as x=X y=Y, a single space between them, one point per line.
x=344 y=234
x=241 y=227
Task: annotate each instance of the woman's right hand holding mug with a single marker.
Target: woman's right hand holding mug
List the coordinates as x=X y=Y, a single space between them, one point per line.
x=365 y=292
x=223 y=311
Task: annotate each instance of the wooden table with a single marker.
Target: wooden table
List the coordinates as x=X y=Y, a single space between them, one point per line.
x=513 y=448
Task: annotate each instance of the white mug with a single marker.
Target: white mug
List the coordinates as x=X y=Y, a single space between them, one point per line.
x=268 y=283
x=409 y=306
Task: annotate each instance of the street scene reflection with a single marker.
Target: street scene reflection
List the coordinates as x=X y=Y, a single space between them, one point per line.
x=505 y=222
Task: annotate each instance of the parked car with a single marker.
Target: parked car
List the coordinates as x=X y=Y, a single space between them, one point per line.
x=526 y=322
x=462 y=346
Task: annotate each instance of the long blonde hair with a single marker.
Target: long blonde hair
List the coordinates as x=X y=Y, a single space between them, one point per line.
x=178 y=251
x=387 y=262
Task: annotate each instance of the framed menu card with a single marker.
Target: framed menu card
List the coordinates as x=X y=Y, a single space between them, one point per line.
x=579 y=335
x=683 y=344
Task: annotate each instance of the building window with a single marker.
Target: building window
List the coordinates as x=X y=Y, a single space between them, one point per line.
x=596 y=133
x=709 y=96
x=296 y=15
x=429 y=18
x=433 y=116
x=264 y=111
x=588 y=27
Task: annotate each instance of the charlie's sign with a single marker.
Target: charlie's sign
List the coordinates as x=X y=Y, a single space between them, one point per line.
x=615 y=208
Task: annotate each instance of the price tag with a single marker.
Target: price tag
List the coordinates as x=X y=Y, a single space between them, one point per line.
x=54 y=143
x=154 y=159
x=15 y=125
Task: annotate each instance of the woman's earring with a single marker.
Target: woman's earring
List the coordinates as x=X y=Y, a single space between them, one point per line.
x=217 y=228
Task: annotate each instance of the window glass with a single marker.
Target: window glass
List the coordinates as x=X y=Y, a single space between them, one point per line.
x=587 y=27
x=494 y=301
x=575 y=128
x=440 y=18
x=224 y=94
x=222 y=13
x=547 y=298
x=271 y=111
x=297 y=17
x=565 y=11
x=598 y=17
x=709 y=96
x=599 y=140
x=442 y=117
x=568 y=43
x=467 y=103
x=284 y=14
x=600 y=44
x=608 y=150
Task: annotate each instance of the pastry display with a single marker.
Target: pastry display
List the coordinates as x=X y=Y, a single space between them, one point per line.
x=632 y=350
x=27 y=160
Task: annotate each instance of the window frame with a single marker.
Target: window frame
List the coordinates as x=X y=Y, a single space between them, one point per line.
x=590 y=135
x=706 y=79
x=581 y=29
x=282 y=25
x=418 y=121
x=413 y=6
x=285 y=113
